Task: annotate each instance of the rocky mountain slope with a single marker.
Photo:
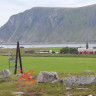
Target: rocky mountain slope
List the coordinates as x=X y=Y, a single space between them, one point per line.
x=51 y=25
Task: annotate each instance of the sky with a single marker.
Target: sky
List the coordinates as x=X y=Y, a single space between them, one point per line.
x=11 y=7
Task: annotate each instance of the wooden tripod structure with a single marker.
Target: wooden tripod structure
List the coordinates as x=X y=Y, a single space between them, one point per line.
x=18 y=55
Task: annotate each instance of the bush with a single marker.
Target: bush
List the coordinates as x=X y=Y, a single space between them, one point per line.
x=73 y=51
x=67 y=50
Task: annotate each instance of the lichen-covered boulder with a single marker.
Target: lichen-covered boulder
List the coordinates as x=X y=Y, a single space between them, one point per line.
x=45 y=76
x=5 y=73
x=79 y=79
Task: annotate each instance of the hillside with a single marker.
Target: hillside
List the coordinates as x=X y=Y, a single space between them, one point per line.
x=51 y=25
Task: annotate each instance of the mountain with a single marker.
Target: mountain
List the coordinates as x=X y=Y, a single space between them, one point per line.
x=51 y=25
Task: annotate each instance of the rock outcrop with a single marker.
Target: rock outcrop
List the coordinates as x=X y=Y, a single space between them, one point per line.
x=41 y=25
x=45 y=76
x=79 y=79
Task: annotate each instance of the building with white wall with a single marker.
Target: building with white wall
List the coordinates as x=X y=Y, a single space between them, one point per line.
x=86 y=50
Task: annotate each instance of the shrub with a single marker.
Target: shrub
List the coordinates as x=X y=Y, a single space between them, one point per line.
x=67 y=50
x=73 y=50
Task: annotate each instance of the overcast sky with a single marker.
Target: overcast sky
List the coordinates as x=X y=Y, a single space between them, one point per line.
x=10 y=7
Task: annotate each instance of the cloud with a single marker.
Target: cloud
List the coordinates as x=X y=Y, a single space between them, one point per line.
x=7 y=9
x=10 y=7
x=57 y=3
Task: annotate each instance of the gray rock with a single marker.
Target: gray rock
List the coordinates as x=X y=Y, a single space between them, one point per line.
x=32 y=77
x=55 y=81
x=68 y=88
x=90 y=95
x=79 y=79
x=17 y=75
x=68 y=94
x=86 y=71
x=82 y=88
x=45 y=76
x=19 y=93
x=5 y=73
x=86 y=95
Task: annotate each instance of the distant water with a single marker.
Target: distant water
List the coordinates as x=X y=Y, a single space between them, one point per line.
x=46 y=45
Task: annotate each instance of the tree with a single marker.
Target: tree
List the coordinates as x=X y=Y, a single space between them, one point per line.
x=65 y=50
x=73 y=50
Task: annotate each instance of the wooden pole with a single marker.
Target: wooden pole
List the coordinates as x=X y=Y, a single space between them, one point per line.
x=18 y=54
x=20 y=61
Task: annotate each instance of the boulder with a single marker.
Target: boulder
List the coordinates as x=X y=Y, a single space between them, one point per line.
x=5 y=73
x=79 y=79
x=45 y=76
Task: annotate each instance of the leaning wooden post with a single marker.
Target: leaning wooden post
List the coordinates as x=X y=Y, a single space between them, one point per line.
x=20 y=61
x=18 y=54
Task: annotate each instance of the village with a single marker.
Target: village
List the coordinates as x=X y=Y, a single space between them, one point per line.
x=80 y=50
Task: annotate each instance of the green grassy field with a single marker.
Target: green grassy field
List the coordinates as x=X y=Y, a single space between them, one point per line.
x=58 y=64
x=61 y=63
x=55 y=48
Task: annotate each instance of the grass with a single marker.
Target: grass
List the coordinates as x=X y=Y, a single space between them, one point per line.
x=9 y=85
x=58 y=64
x=55 y=48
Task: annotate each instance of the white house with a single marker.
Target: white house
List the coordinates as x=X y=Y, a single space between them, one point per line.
x=86 y=50
x=46 y=51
